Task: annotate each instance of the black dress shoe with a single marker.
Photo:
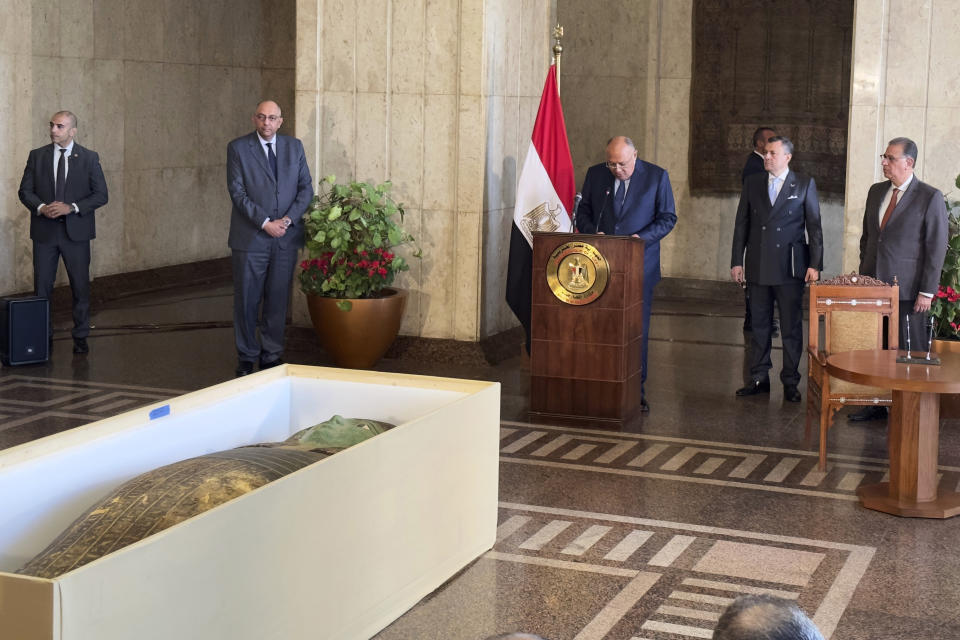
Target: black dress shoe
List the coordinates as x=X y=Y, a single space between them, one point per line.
x=244 y=368
x=754 y=387
x=868 y=413
x=80 y=345
x=791 y=393
x=271 y=364
x=644 y=407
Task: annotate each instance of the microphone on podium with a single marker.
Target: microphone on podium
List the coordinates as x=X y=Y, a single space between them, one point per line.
x=576 y=205
x=606 y=197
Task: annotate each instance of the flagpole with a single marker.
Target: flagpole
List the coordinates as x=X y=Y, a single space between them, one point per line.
x=557 y=51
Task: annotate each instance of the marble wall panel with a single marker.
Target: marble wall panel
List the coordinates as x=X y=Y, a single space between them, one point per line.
x=370 y=143
x=908 y=40
x=904 y=121
x=941 y=155
x=339 y=45
x=217 y=24
x=407 y=51
x=407 y=151
x=371 y=46
x=107 y=249
x=142 y=40
x=869 y=41
x=337 y=133
x=76 y=28
x=472 y=47
x=307 y=45
x=15 y=27
x=45 y=27
x=690 y=250
x=142 y=130
x=516 y=142
x=673 y=130
x=440 y=152
x=280 y=22
x=470 y=153
x=219 y=119
x=247 y=37
x=108 y=30
x=177 y=144
x=832 y=221
x=677 y=20
x=467 y=268
x=441 y=52
x=495 y=314
x=437 y=286
x=535 y=47
x=46 y=98
x=307 y=114
x=493 y=180
x=107 y=120
x=181 y=31
x=277 y=85
x=77 y=89
x=944 y=51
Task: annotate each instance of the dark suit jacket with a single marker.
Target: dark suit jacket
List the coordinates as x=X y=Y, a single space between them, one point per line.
x=256 y=195
x=754 y=165
x=648 y=210
x=86 y=187
x=912 y=245
x=766 y=232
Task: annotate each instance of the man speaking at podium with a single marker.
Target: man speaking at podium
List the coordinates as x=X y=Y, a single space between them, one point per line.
x=626 y=196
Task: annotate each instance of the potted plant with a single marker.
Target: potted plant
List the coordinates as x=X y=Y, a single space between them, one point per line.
x=352 y=236
x=945 y=308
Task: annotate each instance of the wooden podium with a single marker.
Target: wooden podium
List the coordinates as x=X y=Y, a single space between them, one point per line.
x=585 y=361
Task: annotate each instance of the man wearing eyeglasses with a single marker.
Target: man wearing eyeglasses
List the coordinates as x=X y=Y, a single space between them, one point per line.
x=778 y=228
x=904 y=235
x=270 y=187
x=626 y=196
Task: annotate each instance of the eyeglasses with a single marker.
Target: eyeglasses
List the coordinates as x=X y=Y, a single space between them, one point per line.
x=884 y=156
x=619 y=165
x=262 y=117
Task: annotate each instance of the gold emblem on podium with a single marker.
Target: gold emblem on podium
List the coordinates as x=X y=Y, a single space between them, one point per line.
x=577 y=273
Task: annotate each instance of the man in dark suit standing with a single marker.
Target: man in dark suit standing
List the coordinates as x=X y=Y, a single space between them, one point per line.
x=904 y=235
x=754 y=164
x=62 y=187
x=626 y=196
x=270 y=187
x=776 y=208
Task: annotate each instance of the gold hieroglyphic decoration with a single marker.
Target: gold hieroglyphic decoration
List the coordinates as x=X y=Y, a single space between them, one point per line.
x=577 y=273
x=542 y=218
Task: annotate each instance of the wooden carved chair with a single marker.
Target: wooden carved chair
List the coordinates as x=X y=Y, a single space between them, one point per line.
x=846 y=313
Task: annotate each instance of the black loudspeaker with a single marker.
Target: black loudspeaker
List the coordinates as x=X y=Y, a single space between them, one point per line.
x=24 y=330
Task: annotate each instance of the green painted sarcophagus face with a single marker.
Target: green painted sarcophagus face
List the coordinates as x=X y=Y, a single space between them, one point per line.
x=161 y=498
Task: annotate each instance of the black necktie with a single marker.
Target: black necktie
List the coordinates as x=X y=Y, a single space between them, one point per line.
x=60 y=187
x=273 y=160
x=618 y=198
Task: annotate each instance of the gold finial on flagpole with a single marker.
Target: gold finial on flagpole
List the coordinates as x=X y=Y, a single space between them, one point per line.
x=557 y=51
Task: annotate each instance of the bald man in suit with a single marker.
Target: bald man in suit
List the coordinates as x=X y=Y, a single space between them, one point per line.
x=62 y=187
x=270 y=187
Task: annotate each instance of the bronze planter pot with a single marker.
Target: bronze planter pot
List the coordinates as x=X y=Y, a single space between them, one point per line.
x=357 y=338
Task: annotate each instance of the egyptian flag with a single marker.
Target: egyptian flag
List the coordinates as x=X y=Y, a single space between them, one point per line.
x=544 y=197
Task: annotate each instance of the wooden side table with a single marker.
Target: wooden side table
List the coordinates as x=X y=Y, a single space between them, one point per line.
x=914 y=432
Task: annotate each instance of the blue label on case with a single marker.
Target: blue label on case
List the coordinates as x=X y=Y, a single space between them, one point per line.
x=159 y=412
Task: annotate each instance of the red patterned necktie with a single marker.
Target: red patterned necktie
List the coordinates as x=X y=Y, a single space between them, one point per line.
x=890 y=207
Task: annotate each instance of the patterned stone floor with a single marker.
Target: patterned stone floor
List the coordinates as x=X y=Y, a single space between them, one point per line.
x=641 y=534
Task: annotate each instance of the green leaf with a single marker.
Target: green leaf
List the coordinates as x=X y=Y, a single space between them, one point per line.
x=344 y=305
x=334 y=213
